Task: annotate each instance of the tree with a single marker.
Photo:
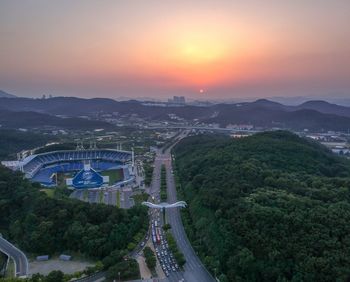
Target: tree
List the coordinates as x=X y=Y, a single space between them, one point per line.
x=54 y=276
x=151 y=260
x=251 y=212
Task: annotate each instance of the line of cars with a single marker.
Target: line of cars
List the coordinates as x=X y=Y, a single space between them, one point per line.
x=164 y=255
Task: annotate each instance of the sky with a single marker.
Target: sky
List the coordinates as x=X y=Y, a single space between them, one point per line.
x=200 y=49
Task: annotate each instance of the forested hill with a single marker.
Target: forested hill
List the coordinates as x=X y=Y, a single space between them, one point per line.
x=270 y=207
x=39 y=224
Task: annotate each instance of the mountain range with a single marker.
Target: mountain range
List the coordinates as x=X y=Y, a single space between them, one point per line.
x=312 y=115
x=4 y=94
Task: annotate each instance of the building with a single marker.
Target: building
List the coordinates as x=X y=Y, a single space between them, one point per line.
x=177 y=100
x=77 y=168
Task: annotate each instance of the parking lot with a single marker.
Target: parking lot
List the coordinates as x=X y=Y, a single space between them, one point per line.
x=117 y=197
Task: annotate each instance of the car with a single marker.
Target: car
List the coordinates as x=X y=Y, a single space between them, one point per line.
x=173 y=268
x=142 y=244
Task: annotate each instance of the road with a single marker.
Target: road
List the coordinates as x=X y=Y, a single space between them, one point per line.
x=194 y=270
x=19 y=258
x=156 y=216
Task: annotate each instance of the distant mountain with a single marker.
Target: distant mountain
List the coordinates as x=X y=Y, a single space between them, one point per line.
x=10 y=119
x=4 y=94
x=312 y=115
x=325 y=107
x=71 y=106
x=277 y=118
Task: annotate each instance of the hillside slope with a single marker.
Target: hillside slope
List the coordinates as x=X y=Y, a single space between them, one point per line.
x=4 y=94
x=10 y=119
x=271 y=207
x=40 y=224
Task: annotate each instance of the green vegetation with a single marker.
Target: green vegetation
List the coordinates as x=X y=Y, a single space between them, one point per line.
x=3 y=261
x=50 y=192
x=173 y=247
x=10 y=271
x=56 y=147
x=43 y=225
x=13 y=141
x=166 y=227
x=58 y=276
x=148 y=168
x=115 y=175
x=270 y=207
x=151 y=260
x=127 y=269
x=163 y=193
x=139 y=198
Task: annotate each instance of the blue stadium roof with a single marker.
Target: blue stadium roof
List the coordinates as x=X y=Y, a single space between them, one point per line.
x=32 y=164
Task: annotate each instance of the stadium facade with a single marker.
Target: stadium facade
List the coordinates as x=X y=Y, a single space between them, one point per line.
x=84 y=166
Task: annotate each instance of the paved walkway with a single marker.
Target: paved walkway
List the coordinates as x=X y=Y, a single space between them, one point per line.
x=144 y=270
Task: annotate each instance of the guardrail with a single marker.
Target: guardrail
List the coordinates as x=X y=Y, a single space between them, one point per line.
x=21 y=256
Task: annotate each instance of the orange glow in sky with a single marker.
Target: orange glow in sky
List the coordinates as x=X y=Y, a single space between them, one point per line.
x=160 y=48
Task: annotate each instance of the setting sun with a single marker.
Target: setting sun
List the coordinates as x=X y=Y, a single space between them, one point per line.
x=171 y=47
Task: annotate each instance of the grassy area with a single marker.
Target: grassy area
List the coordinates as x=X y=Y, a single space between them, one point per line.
x=118 y=199
x=115 y=175
x=10 y=272
x=49 y=192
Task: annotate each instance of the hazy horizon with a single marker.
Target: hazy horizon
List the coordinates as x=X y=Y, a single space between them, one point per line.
x=159 y=49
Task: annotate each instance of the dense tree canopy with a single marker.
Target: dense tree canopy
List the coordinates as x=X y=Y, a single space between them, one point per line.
x=13 y=141
x=43 y=225
x=270 y=207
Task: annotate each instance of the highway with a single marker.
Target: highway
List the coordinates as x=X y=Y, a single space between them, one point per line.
x=194 y=270
x=19 y=258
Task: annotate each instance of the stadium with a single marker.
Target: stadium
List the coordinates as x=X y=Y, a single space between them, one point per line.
x=79 y=169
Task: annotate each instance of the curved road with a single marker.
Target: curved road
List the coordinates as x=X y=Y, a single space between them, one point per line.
x=19 y=258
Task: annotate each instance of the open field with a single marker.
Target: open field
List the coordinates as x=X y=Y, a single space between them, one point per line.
x=69 y=267
x=49 y=192
x=115 y=175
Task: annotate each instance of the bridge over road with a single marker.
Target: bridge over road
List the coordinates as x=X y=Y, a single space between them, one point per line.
x=19 y=258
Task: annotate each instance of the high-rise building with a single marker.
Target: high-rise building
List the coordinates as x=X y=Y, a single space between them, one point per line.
x=179 y=100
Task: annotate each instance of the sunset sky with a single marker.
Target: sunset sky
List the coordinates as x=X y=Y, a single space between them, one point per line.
x=140 y=48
